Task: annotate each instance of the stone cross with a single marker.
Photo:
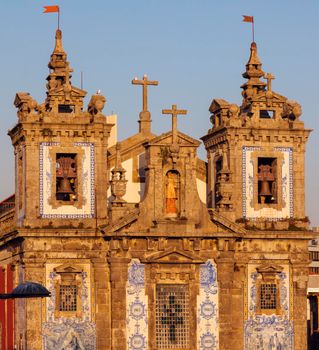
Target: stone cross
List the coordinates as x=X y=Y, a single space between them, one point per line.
x=269 y=78
x=144 y=82
x=174 y=112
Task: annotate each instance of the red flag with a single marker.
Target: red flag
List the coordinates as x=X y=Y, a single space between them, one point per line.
x=249 y=19
x=48 y=9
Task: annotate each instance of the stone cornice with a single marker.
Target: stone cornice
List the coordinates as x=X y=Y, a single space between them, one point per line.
x=254 y=134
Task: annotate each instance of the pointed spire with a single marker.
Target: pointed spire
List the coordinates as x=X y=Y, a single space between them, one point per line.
x=59 y=66
x=58 y=42
x=253 y=59
x=59 y=81
x=58 y=60
x=253 y=73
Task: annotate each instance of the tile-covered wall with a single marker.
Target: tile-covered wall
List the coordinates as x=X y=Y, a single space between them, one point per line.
x=207 y=308
x=69 y=332
x=269 y=332
x=136 y=307
x=248 y=173
x=67 y=211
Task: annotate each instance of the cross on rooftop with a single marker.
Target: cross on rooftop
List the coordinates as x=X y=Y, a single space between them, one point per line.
x=144 y=82
x=174 y=112
x=269 y=78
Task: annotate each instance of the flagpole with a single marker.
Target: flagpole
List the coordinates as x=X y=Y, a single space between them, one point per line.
x=253 y=25
x=59 y=19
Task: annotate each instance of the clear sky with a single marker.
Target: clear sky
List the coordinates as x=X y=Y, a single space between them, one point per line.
x=196 y=49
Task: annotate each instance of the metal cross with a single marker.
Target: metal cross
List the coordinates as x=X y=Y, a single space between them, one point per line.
x=174 y=112
x=269 y=78
x=144 y=82
x=172 y=317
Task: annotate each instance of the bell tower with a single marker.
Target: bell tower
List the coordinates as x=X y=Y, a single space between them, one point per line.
x=256 y=155
x=60 y=153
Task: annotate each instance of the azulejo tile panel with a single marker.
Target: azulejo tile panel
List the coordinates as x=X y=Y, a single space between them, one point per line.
x=46 y=177
x=207 y=308
x=248 y=174
x=263 y=331
x=136 y=307
x=69 y=332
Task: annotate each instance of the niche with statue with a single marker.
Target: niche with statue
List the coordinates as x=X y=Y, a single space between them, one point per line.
x=172 y=193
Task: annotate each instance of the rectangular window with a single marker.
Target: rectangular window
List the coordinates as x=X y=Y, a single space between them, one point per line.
x=314 y=271
x=266 y=114
x=268 y=296
x=68 y=295
x=65 y=108
x=314 y=256
x=172 y=316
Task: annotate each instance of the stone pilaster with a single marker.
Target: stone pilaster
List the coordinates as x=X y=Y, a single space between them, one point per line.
x=34 y=307
x=225 y=268
x=118 y=271
x=300 y=278
x=102 y=304
x=238 y=306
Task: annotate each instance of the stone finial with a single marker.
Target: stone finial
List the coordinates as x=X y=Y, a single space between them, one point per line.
x=118 y=181
x=58 y=42
x=253 y=73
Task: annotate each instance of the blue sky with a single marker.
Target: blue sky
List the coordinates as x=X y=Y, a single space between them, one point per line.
x=196 y=49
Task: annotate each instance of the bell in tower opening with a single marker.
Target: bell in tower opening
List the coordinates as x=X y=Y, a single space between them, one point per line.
x=267 y=193
x=66 y=177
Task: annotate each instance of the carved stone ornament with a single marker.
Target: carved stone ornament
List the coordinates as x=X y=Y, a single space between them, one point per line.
x=96 y=104
x=118 y=181
x=25 y=104
x=292 y=110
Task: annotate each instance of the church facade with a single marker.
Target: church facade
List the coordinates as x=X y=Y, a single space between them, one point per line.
x=144 y=246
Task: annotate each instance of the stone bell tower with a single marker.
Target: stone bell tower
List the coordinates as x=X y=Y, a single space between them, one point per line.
x=256 y=155
x=60 y=152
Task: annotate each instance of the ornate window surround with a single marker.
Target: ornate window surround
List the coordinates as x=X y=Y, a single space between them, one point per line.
x=69 y=276
x=54 y=151
x=162 y=272
x=280 y=160
x=268 y=274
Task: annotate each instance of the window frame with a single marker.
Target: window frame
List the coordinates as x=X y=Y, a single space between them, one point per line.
x=279 y=205
x=186 y=329
x=68 y=277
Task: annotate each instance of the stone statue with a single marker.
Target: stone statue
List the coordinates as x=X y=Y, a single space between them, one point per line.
x=96 y=104
x=292 y=110
x=171 y=194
